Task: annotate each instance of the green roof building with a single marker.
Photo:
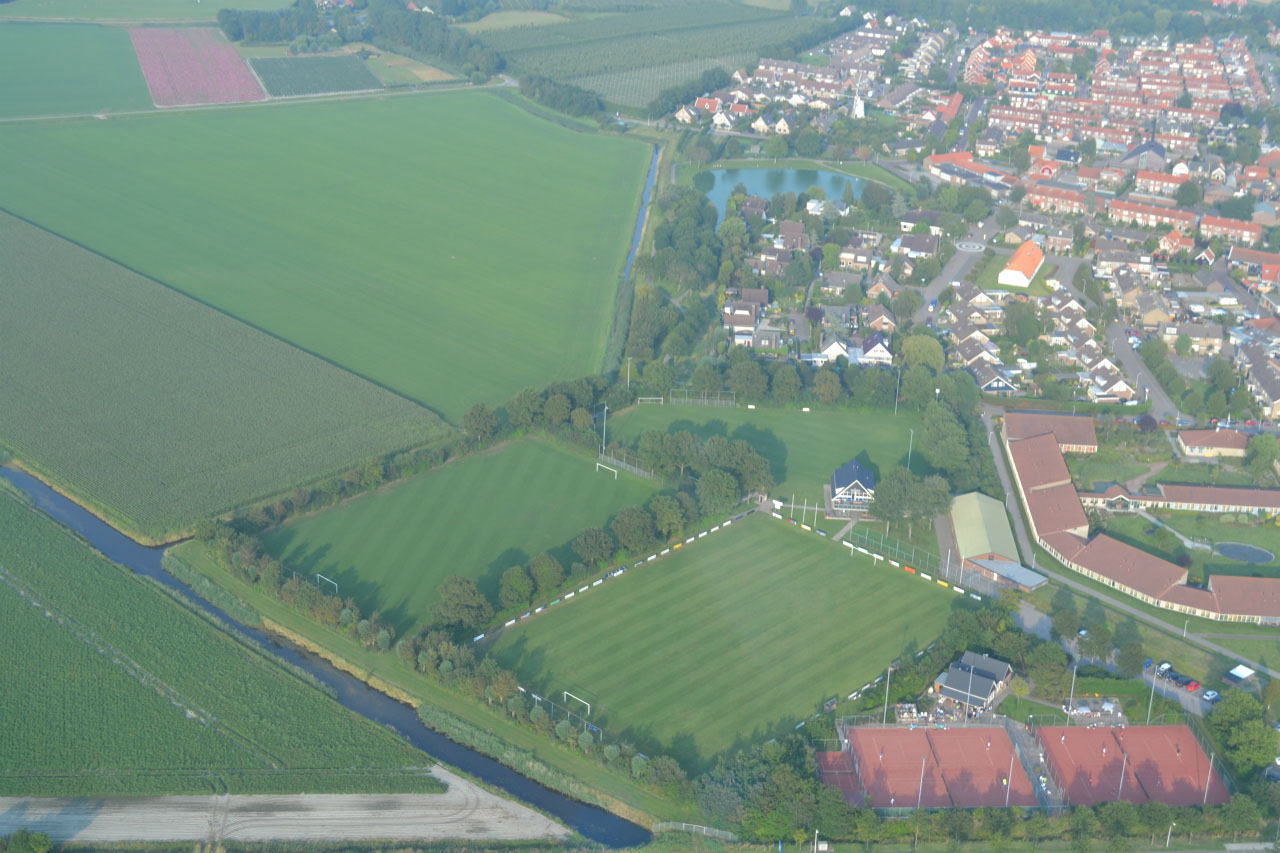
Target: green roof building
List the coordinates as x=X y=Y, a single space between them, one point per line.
x=982 y=528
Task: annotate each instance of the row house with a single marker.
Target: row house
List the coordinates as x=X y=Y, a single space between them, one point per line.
x=1249 y=233
x=1158 y=183
x=1150 y=216
x=1056 y=200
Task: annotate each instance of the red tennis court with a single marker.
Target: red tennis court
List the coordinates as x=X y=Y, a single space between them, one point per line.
x=837 y=771
x=1089 y=764
x=897 y=768
x=979 y=767
x=1170 y=765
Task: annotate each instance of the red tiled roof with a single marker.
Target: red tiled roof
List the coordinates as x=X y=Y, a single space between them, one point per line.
x=1056 y=509
x=1068 y=429
x=1223 y=496
x=1066 y=544
x=1039 y=462
x=1026 y=260
x=1129 y=566
x=1247 y=596
x=1219 y=439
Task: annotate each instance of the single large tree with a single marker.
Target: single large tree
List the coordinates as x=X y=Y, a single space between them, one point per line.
x=1262 y=452
x=634 y=528
x=594 y=546
x=718 y=492
x=461 y=604
x=516 y=589
x=480 y=423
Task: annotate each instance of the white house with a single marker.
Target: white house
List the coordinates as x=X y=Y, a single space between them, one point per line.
x=852 y=487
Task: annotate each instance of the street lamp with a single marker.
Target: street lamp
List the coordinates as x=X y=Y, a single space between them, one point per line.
x=897 y=391
x=911 y=443
x=1169 y=835
x=936 y=392
x=815 y=841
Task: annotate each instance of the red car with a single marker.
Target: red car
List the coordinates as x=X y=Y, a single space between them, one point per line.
x=1193 y=686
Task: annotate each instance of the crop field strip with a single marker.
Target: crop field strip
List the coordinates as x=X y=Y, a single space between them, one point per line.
x=186 y=66
x=706 y=644
x=476 y=517
x=156 y=410
x=636 y=87
x=177 y=705
x=36 y=78
x=121 y=11
x=314 y=75
x=471 y=226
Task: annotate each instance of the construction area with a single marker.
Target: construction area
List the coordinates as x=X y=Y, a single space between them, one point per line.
x=892 y=767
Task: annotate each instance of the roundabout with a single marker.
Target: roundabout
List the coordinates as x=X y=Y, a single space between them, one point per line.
x=970 y=246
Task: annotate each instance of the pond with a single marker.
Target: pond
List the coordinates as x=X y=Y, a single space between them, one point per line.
x=718 y=184
x=1244 y=553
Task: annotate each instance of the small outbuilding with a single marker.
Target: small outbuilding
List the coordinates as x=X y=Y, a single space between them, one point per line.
x=974 y=681
x=852 y=487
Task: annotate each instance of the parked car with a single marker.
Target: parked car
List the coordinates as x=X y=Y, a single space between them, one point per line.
x=1182 y=680
x=1193 y=685
x=1162 y=671
x=1213 y=697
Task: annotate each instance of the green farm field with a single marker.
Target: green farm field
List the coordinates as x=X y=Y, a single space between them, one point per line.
x=286 y=77
x=476 y=518
x=38 y=78
x=126 y=10
x=154 y=410
x=509 y=18
x=118 y=689
x=459 y=224
x=803 y=448
x=730 y=641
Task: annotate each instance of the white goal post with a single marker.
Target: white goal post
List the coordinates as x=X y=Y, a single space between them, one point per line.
x=600 y=465
x=640 y=401
x=568 y=696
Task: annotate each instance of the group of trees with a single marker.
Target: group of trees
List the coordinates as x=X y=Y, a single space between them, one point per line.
x=1240 y=726
x=297 y=19
x=1220 y=397
x=563 y=97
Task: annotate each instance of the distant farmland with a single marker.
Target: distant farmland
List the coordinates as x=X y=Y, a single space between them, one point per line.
x=37 y=78
x=476 y=517
x=314 y=75
x=463 y=225
x=155 y=410
x=742 y=634
x=126 y=10
x=117 y=689
x=630 y=57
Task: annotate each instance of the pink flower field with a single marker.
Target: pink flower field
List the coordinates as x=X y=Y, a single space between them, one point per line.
x=193 y=65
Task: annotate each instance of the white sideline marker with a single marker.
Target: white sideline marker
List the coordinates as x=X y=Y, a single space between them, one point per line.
x=508 y=624
x=689 y=540
x=600 y=465
x=569 y=595
x=702 y=534
x=651 y=558
x=665 y=551
x=584 y=588
x=775 y=515
x=597 y=583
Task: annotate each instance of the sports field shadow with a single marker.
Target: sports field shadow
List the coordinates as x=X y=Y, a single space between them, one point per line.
x=768 y=445
x=703 y=431
x=864 y=459
x=490 y=582
x=367 y=594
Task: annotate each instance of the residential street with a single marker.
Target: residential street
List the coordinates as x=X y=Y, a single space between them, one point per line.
x=954 y=270
x=1162 y=408
x=989 y=413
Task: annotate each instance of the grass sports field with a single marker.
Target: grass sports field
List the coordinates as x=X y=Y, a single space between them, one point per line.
x=476 y=518
x=736 y=638
x=465 y=226
x=37 y=78
x=155 y=410
x=118 y=689
x=506 y=19
x=126 y=10
x=314 y=75
x=803 y=448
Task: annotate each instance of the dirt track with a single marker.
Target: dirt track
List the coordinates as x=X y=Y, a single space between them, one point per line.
x=466 y=811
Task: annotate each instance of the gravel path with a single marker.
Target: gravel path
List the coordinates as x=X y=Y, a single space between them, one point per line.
x=466 y=811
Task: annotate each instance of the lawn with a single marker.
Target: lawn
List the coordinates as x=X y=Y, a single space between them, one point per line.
x=386 y=235
x=476 y=517
x=803 y=448
x=1105 y=466
x=38 y=78
x=986 y=273
x=291 y=76
x=125 y=10
x=731 y=641
x=1207 y=474
x=508 y=18
x=155 y=410
x=111 y=687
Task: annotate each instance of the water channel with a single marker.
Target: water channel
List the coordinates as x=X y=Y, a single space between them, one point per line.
x=644 y=207
x=590 y=821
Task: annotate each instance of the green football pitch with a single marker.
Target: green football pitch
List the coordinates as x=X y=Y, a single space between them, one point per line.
x=449 y=246
x=803 y=448
x=68 y=69
x=733 y=639
x=475 y=518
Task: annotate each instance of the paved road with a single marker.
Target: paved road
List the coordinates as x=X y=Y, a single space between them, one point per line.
x=1162 y=407
x=954 y=270
x=466 y=811
x=1064 y=576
